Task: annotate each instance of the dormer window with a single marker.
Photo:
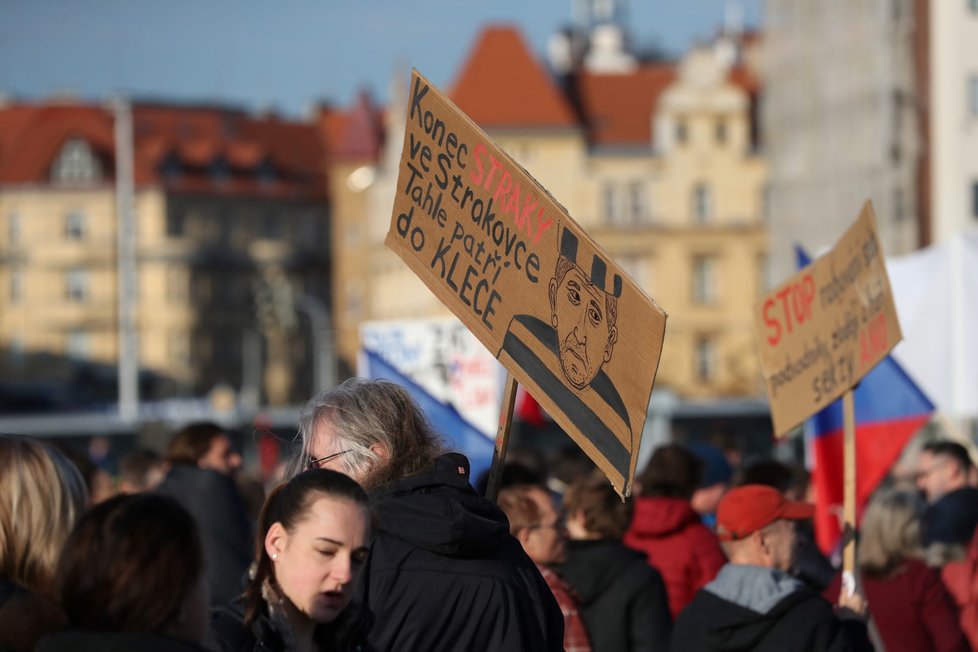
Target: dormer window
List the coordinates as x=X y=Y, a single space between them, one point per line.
x=265 y=172
x=220 y=171
x=76 y=163
x=170 y=169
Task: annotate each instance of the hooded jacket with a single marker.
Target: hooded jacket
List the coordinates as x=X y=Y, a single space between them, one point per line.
x=677 y=544
x=621 y=598
x=762 y=609
x=445 y=574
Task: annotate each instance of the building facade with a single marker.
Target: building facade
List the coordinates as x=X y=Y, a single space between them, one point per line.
x=872 y=99
x=222 y=201
x=656 y=160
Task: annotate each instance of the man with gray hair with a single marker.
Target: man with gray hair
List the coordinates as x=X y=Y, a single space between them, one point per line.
x=444 y=573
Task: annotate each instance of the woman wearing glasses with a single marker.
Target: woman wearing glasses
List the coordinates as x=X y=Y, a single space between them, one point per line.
x=313 y=539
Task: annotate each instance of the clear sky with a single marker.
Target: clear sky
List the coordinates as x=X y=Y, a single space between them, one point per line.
x=285 y=54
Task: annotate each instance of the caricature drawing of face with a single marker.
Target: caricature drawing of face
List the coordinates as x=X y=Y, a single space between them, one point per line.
x=585 y=335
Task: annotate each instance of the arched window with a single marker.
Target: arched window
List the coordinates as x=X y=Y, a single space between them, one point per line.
x=76 y=163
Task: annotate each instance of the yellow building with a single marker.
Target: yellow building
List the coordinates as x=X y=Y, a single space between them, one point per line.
x=221 y=199
x=657 y=161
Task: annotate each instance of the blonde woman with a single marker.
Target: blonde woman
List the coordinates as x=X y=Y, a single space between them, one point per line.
x=41 y=496
x=907 y=601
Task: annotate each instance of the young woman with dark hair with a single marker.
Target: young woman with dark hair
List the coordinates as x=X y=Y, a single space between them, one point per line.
x=314 y=533
x=132 y=577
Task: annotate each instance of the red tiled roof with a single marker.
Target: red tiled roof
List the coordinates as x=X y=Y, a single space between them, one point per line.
x=618 y=108
x=31 y=136
x=503 y=85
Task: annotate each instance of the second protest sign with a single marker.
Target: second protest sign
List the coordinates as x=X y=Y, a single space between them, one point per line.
x=823 y=329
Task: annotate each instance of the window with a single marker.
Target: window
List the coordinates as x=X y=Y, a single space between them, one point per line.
x=704 y=281
x=77 y=345
x=201 y=288
x=13 y=228
x=612 y=203
x=201 y=349
x=682 y=132
x=16 y=289
x=637 y=203
x=176 y=284
x=271 y=226
x=973 y=5
x=703 y=359
x=720 y=131
x=974 y=199
x=76 y=163
x=75 y=226
x=220 y=171
x=224 y=227
x=175 y=223
x=265 y=172
x=702 y=203
x=76 y=285
x=177 y=348
x=354 y=299
x=170 y=168
x=16 y=349
x=973 y=95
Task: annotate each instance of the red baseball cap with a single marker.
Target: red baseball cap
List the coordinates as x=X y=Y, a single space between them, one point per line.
x=745 y=510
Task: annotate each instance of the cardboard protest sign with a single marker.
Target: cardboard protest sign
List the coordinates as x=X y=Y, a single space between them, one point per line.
x=532 y=286
x=823 y=329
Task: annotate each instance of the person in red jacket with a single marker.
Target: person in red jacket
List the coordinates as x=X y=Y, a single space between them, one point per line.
x=909 y=606
x=667 y=529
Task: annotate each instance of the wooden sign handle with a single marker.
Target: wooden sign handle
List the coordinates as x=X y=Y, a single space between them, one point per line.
x=849 y=483
x=502 y=438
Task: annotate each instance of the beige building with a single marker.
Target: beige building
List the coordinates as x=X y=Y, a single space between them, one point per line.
x=221 y=200
x=656 y=160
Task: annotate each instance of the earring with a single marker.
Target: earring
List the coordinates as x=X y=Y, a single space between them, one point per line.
x=274 y=556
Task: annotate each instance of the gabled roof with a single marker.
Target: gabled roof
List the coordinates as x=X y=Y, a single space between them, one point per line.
x=501 y=84
x=618 y=108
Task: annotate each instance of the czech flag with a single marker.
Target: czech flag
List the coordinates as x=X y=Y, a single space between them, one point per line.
x=890 y=408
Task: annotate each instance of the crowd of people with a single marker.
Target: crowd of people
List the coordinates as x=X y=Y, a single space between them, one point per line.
x=376 y=539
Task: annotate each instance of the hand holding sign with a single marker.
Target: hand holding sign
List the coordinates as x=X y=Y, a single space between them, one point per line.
x=820 y=332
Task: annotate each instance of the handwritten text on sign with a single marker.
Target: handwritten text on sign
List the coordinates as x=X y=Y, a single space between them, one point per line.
x=526 y=280
x=827 y=326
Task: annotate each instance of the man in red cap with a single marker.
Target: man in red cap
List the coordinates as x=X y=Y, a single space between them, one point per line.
x=754 y=604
